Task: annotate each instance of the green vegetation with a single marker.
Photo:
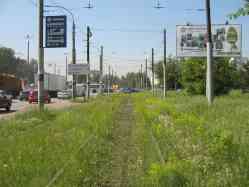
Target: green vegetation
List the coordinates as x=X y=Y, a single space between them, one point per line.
x=200 y=145
x=35 y=147
x=242 y=11
x=190 y=74
x=130 y=140
x=11 y=64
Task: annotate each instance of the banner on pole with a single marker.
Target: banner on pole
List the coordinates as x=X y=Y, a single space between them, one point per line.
x=191 y=40
x=56 y=31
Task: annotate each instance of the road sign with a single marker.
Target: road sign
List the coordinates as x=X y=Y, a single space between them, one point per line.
x=78 y=69
x=191 y=40
x=56 y=31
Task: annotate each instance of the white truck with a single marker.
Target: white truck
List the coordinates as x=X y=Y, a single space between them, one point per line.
x=53 y=83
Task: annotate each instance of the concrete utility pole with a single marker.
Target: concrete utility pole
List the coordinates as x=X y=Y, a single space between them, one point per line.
x=40 y=55
x=101 y=67
x=28 y=43
x=66 y=65
x=109 y=79
x=146 y=73
x=88 y=60
x=142 y=76
x=164 y=66
x=209 y=80
x=74 y=59
x=152 y=68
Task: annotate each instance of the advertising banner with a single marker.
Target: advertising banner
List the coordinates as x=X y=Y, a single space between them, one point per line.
x=191 y=40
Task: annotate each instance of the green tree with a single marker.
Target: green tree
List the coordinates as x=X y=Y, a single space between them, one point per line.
x=226 y=75
x=172 y=72
x=10 y=64
x=193 y=75
x=244 y=11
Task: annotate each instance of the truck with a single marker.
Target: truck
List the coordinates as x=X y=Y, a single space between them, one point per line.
x=10 y=84
x=53 y=83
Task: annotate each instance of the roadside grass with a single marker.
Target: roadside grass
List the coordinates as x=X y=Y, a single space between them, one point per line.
x=201 y=145
x=35 y=146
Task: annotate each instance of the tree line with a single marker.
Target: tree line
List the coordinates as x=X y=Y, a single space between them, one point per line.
x=10 y=64
x=190 y=74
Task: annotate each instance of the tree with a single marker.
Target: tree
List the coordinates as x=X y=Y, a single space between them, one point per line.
x=241 y=12
x=226 y=75
x=10 y=64
x=193 y=75
x=172 y=71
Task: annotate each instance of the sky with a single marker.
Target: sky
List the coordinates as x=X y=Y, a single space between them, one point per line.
x=127 y=29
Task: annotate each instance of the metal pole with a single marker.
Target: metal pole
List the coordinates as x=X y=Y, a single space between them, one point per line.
x=141 y=76
x=164 y=66
x=28 y=61
x=152 y=68
x=109 y=74
x=146 y=73
x=66 y=68
x=101 y=68
x=40 y=55
x=74 y=60
x=88 y=60
x=209 y=80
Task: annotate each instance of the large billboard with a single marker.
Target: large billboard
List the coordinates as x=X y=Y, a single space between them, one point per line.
x=56 y=31
x=191 y=40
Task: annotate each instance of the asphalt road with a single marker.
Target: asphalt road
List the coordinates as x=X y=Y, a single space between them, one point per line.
x=22 y=106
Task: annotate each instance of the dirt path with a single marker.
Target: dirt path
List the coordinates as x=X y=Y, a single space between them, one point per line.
x=122 y=145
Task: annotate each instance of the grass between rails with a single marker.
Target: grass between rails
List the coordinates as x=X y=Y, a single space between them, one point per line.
x=201 y=145
x=34 y=146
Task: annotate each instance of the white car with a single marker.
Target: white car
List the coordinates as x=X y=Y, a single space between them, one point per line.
x=66 y=94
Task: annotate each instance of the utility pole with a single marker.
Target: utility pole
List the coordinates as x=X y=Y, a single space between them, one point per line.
x=74 y=60
x=40 y=55
x=109 y=79
x=164 y=66
x=66 y=65
x=152 y=68
x=101 y=67
x=209 y=81
x=28 y=38
x=141 y=76
x=146 y=73
x=112 y=78
x=88 y=60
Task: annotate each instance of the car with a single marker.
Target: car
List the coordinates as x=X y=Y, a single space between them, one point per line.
x=126 y=90
x=5 y=100
x=65 y=94
x=33 y=97
x=24 y=96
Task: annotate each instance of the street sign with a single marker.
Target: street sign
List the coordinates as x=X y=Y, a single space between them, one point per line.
x=191 y=40
x=56 y=31
x=78 y=69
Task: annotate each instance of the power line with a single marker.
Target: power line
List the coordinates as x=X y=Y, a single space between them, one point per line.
x=126 y=30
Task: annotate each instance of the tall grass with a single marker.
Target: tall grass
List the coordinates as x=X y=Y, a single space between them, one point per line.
x=35 y=146
x=201 y=145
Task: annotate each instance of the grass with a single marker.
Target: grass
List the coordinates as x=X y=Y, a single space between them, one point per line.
x=34 y=146
x=201 y=145
x=179 y=141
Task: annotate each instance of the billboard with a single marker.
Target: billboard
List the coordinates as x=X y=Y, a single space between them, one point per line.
x=56 y=31
x=191 y=40
x=78 y=69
